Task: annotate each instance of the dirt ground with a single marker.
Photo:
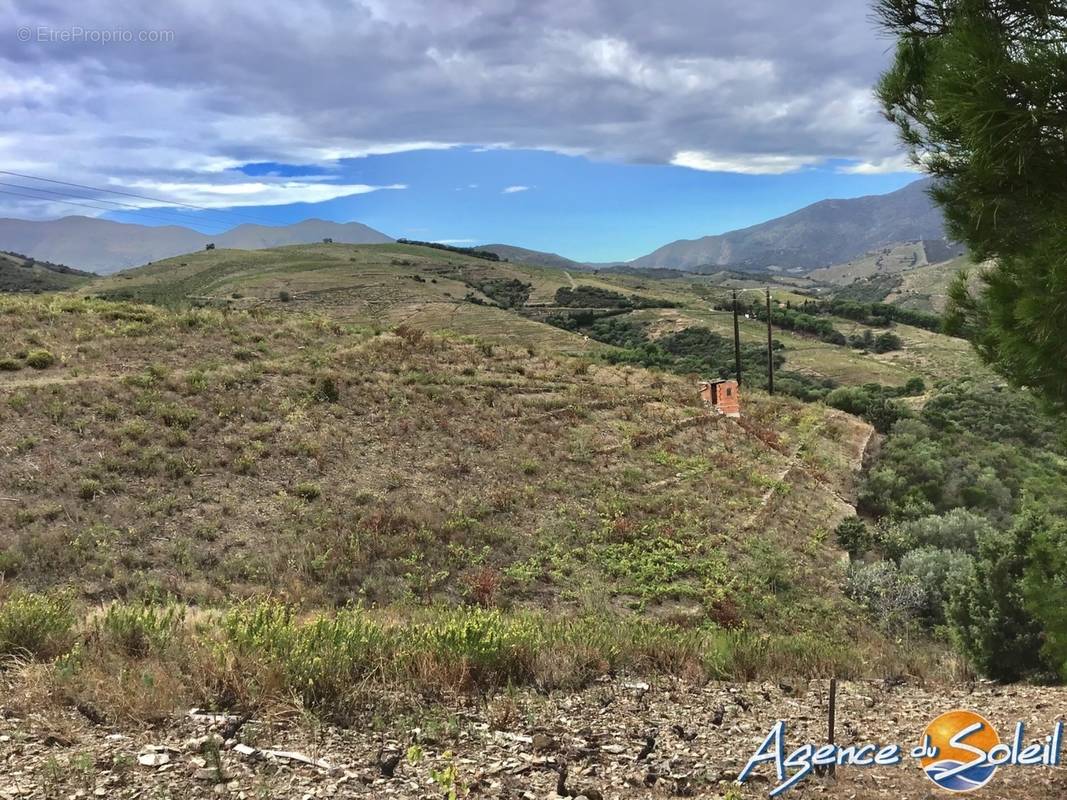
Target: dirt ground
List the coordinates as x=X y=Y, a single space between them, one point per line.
x=619 y=739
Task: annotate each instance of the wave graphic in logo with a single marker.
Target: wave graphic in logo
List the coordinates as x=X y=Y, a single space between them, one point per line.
x=960 y=742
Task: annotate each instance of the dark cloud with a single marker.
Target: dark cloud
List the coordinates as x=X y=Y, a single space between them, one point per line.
x=715 y=84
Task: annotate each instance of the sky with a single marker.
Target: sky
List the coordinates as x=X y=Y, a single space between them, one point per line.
x=598 y=129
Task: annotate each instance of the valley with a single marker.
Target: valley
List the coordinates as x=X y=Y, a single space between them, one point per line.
x=428 y=505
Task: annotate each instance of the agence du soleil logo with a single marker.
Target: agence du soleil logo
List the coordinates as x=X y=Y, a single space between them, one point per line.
x=960 y=751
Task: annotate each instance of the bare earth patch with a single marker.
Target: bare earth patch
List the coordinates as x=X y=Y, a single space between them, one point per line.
x=513 y=745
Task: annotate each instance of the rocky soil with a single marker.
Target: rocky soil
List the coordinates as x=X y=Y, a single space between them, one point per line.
x=618 y=739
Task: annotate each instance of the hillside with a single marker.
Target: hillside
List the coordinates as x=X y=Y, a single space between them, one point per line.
x=434 y=290
x=287 y=452
x=534 y=257
x=21 y=274
x=105 y=246
x=825 y=233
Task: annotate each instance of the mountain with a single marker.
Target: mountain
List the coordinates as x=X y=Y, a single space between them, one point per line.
x=536 y=258
x=105 y=246
x=820 y=235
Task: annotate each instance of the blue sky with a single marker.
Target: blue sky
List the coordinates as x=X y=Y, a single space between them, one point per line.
x=589 y=210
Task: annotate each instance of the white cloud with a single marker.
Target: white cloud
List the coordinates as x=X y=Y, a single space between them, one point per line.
x=249 y=193
x=747 y=164
x=514 y=189
x=899 y=163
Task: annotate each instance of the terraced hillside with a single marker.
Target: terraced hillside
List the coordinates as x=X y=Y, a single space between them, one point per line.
x=213 y=455
x=433 y=290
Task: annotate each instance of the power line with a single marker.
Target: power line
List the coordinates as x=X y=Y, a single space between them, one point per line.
x=260 y=220
x=176 y=215
x=83 y=205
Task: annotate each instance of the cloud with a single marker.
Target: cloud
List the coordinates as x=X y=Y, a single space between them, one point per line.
x=898 y=163
x=514 y=189
x=252 y=193
x=709 y=84
x=744 y=163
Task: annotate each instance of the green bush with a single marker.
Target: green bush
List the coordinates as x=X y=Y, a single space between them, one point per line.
x=958 y=529
x=853 y=536
x=89 y=488
x=36 y=626
x=987 y=613
x=40 y=359
x=307 y=491
x=10 y=365
x=938 y=572
x=139 y=630
x=1045 y=589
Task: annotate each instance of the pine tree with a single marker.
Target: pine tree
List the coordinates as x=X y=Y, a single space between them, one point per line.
x=978 y=90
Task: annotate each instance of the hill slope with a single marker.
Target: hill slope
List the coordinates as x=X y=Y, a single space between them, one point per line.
x=105 y=246
x=825 y=233
x=283 y=450
x=535 y=257
x=21 y=274
x=436 y=290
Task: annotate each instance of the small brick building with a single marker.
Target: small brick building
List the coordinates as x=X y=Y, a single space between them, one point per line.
x=722 y=395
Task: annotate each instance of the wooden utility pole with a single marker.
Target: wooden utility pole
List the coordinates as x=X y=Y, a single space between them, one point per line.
x=737 y=342
x=832 y=719
x=770 y=347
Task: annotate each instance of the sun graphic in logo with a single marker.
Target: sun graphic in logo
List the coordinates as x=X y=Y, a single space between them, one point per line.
x=962 y=740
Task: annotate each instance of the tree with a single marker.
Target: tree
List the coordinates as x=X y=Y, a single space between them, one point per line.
x=1045 y=589
x=987 y=611
x=978 y=90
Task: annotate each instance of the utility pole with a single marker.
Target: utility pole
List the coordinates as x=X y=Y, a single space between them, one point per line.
x=770 y=348
x=737 y=342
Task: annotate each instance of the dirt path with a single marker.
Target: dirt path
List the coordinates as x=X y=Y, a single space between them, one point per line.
x=796 y=463
x=620 y=739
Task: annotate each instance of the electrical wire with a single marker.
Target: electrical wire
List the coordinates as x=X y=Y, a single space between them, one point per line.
x=176 y=218
x=161 y=201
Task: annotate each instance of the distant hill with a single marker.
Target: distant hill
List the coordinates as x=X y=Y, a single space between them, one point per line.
x=535 y=257
x=19 y=273
x=820 y=235
x=106 y=246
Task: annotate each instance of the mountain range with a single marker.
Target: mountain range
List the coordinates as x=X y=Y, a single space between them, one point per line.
x=826 y=233
x=104 y=246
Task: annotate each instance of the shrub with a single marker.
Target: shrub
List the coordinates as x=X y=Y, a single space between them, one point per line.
x=894 y=599
x=140 y=630
x=958 y=529
x=853 y=536
x=887 y=342
x=40 y=359
x=10 y=365
x=307 y=491
x=987 y=614
x=284 y=296
x=482 y=586
x=326 y=391
x=36 y=626
x=89 y=488
x=938 y=572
